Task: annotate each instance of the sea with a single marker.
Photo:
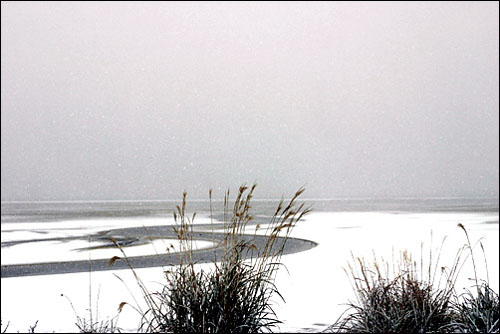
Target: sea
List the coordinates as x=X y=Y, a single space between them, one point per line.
x=56 y=211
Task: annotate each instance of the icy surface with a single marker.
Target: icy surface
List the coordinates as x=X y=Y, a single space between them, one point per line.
x=73 y=250
x=314 y=279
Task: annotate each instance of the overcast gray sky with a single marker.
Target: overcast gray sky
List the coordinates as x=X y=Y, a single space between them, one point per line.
x=145 y=100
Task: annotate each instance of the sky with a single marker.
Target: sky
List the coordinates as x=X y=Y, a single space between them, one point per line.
x=145 y=100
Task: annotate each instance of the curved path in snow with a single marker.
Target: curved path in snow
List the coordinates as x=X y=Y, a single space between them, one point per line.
x=142 y=235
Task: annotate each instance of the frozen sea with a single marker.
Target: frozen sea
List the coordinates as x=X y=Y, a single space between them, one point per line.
x=314 y=284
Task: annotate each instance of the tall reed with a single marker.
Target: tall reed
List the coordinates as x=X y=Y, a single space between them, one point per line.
x=477 y=312
x=235 y=295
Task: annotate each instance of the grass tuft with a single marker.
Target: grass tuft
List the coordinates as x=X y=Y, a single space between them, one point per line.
x=478 y=313
x=404 y=301
x=416 y=298
x=235 y=296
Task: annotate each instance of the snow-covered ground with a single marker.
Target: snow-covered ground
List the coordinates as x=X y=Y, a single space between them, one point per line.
x=314 y=285
x=316 y=288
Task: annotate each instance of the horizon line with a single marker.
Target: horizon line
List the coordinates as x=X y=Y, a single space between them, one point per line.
x=254 y=199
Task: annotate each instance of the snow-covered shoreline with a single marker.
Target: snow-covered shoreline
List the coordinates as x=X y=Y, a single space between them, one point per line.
x=314 y=284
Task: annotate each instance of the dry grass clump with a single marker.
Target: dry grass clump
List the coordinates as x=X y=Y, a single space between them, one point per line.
x=404 y=301
x=103 y=326
x=92 y=324
x=235 y=296
x=414 y=298
x=479 y=313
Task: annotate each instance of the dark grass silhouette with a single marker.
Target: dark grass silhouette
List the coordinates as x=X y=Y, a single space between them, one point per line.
x=414 y=298
x=234 y=296
x=477 y=312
